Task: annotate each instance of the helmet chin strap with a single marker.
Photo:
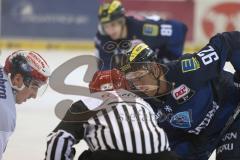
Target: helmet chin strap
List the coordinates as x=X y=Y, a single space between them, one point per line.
x=15 y=87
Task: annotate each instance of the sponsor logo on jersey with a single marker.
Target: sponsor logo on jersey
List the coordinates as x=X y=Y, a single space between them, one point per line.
x=181 y=120
x=228 y=145
x=225 y=147
x=150 y=29
x=206 y=120
x=2 y=85
x=182 y=93
x=230 y=136
x=189 y=65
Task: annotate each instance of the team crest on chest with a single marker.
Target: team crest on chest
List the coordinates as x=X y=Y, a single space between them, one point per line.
x=181 y=120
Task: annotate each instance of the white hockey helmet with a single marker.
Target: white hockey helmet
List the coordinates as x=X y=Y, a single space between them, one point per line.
x=30 y=65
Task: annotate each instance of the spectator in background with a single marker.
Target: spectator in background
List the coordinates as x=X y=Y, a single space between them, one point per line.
x=166 y=37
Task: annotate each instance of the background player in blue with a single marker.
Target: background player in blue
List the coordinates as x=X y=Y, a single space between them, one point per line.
x=166 y=37
x=193 y=96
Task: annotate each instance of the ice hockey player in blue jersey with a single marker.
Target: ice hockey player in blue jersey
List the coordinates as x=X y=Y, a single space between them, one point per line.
x=192 y=96
x=166 y=37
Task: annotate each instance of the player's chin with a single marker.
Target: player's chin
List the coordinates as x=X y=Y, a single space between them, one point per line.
x=115 y=37
x=20 y=101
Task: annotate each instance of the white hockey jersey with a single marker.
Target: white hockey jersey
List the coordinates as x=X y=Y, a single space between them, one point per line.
x=7 y=111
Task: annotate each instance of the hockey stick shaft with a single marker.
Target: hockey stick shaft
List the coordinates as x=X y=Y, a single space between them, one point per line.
x=230 y=122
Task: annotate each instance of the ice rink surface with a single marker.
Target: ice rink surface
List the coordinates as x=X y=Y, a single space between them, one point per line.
x=36 y=118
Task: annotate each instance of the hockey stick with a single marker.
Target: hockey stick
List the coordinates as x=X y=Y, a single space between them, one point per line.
x=229 y=123
x=227 y=126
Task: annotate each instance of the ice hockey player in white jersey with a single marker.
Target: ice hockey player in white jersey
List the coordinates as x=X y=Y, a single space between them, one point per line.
x=23 y=74
x=116 y=124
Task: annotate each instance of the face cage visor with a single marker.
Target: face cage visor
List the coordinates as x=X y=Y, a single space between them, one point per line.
x=138 y=74
x=37 y=85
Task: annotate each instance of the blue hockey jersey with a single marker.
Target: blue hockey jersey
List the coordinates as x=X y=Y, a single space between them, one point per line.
x=203 y=96
x=166 y=37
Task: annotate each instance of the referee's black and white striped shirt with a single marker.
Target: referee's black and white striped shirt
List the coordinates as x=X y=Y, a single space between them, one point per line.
x=125 y=123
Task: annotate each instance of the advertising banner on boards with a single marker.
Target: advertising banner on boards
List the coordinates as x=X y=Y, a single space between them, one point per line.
x=215 y=16
x=58 y=19
x=182 y=10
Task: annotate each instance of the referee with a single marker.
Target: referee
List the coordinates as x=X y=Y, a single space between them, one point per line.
x=124 y=128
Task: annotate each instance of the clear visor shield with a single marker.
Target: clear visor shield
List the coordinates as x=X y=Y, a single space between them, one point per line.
x=142 y=80
x=138 y=74
x=39 y=87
